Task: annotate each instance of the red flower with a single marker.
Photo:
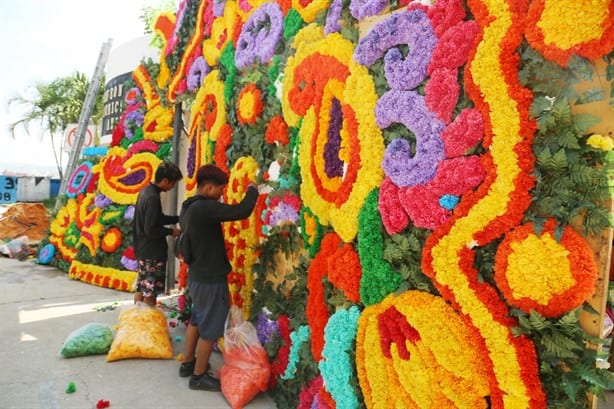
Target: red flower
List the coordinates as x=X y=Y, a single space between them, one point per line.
x=277 y=131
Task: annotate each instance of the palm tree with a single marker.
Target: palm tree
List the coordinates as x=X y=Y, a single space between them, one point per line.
x=56 y=105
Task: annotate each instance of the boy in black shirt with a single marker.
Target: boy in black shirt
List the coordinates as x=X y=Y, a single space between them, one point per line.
x=150 y=247
x=201 y=220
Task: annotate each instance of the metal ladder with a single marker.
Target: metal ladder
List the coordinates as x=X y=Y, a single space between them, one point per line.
x=84 y=118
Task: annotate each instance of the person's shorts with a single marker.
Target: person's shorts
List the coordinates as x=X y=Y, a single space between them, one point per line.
x=210 y=306
x=152 y=277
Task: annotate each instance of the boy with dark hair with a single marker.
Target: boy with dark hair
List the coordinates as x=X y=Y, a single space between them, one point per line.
x=201 y=220
x=150 y=231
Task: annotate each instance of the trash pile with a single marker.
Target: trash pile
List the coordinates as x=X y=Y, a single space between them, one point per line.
x=22 y=225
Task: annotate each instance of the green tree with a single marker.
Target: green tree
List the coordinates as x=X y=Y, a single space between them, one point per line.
x=55 y=105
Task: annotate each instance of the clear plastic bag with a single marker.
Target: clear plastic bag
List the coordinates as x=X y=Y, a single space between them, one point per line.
x=246 y=368
x=91 y=339
x=19 y=248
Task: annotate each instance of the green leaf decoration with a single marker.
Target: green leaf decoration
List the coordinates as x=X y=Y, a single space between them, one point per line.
x=590 y=95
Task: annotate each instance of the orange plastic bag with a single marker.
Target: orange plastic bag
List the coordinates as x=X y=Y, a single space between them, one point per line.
x=142 y=333
x=246 y=368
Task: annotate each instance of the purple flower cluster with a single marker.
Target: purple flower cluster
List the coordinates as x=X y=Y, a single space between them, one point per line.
x=412 y=28
x=333 y=16
x=333 y=166
x=266 y=329
x=133 y=178
x=283 y=213
x=366 y=8
x=129 y=263
x=218 y=8
x=197 y=73
x=172 y=42
x=129 y=212
x=191 y=165
x=409 y=109
x=259 y=36
x=101 y=201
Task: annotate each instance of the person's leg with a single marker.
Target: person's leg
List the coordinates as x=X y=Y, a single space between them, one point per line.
x=203 y=352
x=191 y=338
x=150 y=300
x=141 y=280
x=201 y=380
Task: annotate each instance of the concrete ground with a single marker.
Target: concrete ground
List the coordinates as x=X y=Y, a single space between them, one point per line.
x=39 y=307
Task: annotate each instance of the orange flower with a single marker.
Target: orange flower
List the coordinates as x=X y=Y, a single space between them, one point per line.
x=249 y=104
x=277 y=131
x=537 y=273
x=111 y=240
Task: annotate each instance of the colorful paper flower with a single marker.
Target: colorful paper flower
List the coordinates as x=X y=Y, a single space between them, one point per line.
x=535 y=272
x=259 y=36
x=249 y=104
x=46 y=254
x=335 y=98
x=111 y=240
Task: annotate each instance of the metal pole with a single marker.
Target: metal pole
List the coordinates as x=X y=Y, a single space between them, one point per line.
x=84 y=118
x=177 y=129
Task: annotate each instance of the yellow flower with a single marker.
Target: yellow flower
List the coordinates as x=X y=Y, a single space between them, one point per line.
x=601 y=142
x=452 y=363
x=222 y=32
x=560 y=18
x=309 y=11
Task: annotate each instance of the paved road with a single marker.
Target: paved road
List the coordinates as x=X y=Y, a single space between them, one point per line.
x=39 y=307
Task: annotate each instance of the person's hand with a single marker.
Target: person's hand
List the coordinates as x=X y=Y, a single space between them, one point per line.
x=176 y=231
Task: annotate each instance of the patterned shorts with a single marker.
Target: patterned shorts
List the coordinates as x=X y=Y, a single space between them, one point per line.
x=152 y=277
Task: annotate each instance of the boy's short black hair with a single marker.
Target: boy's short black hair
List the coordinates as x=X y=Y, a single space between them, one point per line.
x=212 y=174
x=169 y=171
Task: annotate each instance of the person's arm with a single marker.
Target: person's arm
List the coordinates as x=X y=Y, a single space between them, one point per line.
x=222 y=212
x=153 y=226
x=169 y=219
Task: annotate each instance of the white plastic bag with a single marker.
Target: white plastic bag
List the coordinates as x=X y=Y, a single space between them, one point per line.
x=19 y=248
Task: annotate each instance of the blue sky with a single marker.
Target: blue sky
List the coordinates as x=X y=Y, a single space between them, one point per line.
x=46 y=39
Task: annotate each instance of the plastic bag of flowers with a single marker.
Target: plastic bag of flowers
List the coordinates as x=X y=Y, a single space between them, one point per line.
x=246 y=368
x=142 y=333
x=91 y=339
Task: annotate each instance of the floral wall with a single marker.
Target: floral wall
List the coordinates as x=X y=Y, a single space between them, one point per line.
x=430 y=190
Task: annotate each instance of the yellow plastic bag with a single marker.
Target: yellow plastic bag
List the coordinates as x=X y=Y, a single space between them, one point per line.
x=142 y=333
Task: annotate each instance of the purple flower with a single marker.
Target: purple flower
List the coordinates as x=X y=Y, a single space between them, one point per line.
x=102 y=201
x=132 y=96
x=191 y=165
x=218 y=7
x=361 y=9
x=333 y=16
x=333 y=166
x=129 y=263
x=172 y=42
x=412 y=28
x=259 y=36
x=135 y=116
x=133 y=178
x=129 y=212
x=409 y=109
x=197 y=72
x=283 y=213
x=266 y=329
